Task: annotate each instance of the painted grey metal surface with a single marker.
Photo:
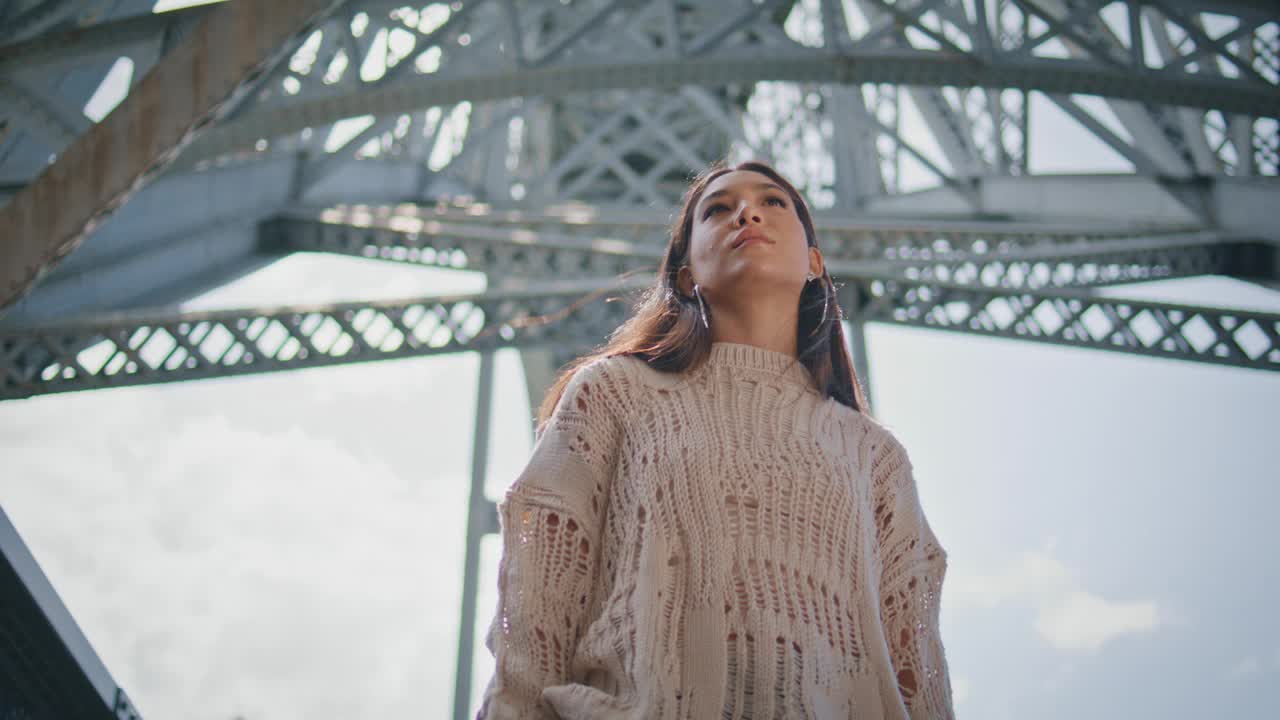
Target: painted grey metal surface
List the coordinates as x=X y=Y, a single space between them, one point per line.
x=482 y=520
x=48 y=668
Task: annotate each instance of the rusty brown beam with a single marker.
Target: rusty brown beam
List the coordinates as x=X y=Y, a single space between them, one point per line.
x=183 y=95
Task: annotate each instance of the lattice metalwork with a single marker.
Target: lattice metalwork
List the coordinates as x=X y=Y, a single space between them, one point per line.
x=143 y=350
x=372 y=51
x=135 y=350
x=349 y=68
x=1187 y=332
x=640 y=148
x=1266 y=146
x=1094 y=264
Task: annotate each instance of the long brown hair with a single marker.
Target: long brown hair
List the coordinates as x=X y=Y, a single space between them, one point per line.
x=666 y=331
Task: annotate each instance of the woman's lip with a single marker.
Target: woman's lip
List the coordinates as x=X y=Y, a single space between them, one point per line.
x=750 y=238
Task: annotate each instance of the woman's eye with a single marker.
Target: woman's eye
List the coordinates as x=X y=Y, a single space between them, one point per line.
x=780 y=202
x=712 y=209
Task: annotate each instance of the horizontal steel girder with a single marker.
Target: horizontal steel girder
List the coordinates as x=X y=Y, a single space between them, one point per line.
x=208 y=75
x=121 y=349
x=646 y=225
x=850 y=67
x=1220 y=336
x=966 y=254
x=503 y=251
x=131 y=349
x=1102 y=263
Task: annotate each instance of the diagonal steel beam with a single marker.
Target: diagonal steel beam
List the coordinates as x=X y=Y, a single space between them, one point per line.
x=176 y=102
x=1203 y=41
x=1141 y=162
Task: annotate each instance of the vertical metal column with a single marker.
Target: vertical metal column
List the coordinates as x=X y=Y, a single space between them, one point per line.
x=481 y=519
x=852 y=299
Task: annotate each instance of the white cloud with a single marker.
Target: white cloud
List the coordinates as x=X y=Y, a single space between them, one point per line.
x=1036 y=573
x=1066 y=615
x=1251 y=666
x=1084 y=621
x=1247 y=667
x=255 y=547
x=959 y=689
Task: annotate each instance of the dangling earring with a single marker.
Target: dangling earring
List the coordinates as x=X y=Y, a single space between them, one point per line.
x=702 y=308
x=825 y=299
x=825 y=302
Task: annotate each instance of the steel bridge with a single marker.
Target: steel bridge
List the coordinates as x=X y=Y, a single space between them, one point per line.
x=545 y=143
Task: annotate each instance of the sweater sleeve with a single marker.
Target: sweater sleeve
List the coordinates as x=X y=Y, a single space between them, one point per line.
x=913 y=565
x=551 y=520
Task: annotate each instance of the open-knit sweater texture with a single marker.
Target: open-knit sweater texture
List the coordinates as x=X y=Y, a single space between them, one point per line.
x=723 y=542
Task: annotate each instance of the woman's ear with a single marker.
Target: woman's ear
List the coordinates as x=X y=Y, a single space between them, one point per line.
x=816 y=263
x=684 y=281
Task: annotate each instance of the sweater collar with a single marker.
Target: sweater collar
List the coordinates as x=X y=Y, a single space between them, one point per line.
x=752 y=357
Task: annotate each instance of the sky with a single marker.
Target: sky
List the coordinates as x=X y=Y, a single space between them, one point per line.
x=290 y=545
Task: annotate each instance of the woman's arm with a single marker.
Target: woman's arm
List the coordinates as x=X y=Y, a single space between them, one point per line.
x=913 y=567
x=551 y=521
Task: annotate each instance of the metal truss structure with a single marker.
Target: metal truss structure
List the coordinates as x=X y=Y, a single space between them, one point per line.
x=544 y=143
x=1031 y=292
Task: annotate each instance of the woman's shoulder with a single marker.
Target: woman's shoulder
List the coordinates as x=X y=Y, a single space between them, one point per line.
x=877 y=434
x=629 y=374
x=613 y=386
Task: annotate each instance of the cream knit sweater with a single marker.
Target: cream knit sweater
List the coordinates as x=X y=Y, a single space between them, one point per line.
x=719 y=543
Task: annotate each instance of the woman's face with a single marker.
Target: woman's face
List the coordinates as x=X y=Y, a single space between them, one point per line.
x=746 y=236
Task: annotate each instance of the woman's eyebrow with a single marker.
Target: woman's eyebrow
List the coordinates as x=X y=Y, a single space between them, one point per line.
x=758 y=186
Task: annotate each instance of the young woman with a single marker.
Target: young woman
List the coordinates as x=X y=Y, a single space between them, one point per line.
x=711 y=526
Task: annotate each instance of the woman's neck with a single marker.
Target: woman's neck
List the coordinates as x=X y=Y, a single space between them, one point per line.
x=755 y=323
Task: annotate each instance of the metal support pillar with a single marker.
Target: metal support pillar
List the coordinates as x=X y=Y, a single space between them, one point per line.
x=852 y=299
x=539 y=372
x=481 y=519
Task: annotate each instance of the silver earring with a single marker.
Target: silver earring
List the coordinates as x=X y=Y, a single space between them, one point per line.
x=702 y=308
x=810 y=277
x=825 y=302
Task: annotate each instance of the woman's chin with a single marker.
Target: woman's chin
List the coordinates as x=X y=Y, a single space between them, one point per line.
x=758 y=274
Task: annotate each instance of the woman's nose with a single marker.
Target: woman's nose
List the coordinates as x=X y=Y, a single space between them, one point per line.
x=747 y=212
